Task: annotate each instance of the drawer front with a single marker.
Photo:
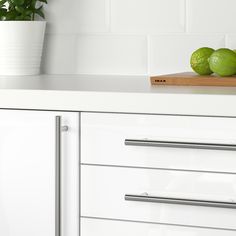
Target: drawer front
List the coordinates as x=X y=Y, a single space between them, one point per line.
x=104 y=135
x=97 y=227
x=103 y=191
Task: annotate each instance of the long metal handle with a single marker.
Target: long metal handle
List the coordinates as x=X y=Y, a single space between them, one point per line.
x=59 y=129
x=191 y=145
x=58 y=178
x=180 y=201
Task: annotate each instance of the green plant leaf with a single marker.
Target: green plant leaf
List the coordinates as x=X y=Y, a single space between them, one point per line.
x=3 y=18
x=2 y=13
x=18 y=2
x=2 y=3
x=20 y=9
x=23 y=17
x=28 y=12
x=11 y=15
x=40 y=13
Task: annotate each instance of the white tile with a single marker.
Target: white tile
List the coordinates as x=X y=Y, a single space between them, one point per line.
x=147 y=16
x=231 y=41
x=171 y=53
x=211 y=16
x=59 y=56
x=93 y=15
x=76 y=16
x=116 y=54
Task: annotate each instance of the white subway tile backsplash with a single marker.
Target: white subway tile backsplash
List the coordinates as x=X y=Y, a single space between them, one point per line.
x=171 y=53
x=110 y=36
x=112 y=54
x=211 y=16
x=59 y=55
x=147 y=16
x=77 y=16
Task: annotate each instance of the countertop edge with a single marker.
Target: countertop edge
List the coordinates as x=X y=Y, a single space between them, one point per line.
x=119 y=102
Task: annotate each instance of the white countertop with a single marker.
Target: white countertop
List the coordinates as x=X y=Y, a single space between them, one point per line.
x=128 y=94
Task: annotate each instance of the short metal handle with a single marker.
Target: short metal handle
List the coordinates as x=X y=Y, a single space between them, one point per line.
x=180 y=201
x=59 y=129
x=191 y=145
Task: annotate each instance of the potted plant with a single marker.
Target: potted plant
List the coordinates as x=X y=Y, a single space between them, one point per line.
x=21 y=36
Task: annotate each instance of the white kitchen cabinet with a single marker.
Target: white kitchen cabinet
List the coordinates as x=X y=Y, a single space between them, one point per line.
x=28 y=192
x=173 y=170
x=135 y=194
x=120 y=117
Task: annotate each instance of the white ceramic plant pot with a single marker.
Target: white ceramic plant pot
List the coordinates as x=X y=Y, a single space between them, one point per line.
x=21 y=44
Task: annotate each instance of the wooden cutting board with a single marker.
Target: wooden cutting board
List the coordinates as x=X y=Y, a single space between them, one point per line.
x=192 y=79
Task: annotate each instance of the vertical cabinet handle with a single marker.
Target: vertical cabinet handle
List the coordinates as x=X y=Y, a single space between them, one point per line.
x=59 y=129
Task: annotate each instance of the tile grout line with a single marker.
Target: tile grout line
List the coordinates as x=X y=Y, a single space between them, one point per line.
x=148 y=54
x=109 y=16
x=185 y=16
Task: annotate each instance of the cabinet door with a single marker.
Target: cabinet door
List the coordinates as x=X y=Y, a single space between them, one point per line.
x=29 y=200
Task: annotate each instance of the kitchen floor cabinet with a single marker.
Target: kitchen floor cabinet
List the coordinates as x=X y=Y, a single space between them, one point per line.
x=40 y=175
x=154 y=161
x=35 y=157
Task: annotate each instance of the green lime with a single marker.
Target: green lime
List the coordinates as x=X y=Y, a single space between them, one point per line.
x=199 y=61
x=223 y=62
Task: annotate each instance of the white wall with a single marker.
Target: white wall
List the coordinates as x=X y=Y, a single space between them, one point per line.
x=133 y=36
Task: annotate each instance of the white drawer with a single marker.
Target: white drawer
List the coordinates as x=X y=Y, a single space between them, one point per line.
x=103 y=191
x=104 y=135
x=97 y=227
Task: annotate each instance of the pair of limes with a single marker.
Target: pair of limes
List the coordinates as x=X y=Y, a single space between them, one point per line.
x=206 y=61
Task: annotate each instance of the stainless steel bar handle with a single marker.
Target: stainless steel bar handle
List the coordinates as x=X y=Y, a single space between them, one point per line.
x=59 y=129
x=58 y=178
x=180 y=201
x=191 y=145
